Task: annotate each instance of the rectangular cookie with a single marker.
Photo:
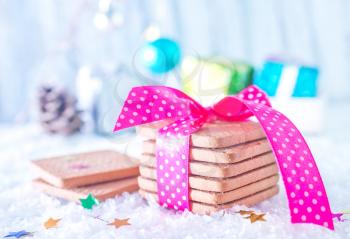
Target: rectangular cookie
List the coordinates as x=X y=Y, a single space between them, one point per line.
x=101 y=191
x=202 y=208
x=220 y=185
x=216 y=134
x=231 y=154
x=219 y=170
x=85 y=168
x=214 y=198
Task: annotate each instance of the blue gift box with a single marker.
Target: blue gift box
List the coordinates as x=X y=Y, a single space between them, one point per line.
x=278 y=77
x=293 y=89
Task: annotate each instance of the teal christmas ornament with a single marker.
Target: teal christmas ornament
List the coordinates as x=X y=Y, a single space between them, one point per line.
x=161 y=56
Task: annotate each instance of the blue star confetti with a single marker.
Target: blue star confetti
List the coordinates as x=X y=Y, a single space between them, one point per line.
x=18 y=234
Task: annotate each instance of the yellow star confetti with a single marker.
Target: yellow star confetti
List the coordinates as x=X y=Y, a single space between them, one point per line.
x=120 y=222
x=256 y=217
x=50 y=223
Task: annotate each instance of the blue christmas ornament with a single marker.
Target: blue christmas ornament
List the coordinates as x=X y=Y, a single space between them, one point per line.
x=161 y=56
x=279 y=78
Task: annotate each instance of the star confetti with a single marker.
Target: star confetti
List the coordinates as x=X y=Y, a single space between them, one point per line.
x=19 y=234
x=50 y=223
x=338 y=216
x=89 y=202
x=120 y=222
x=256 y=217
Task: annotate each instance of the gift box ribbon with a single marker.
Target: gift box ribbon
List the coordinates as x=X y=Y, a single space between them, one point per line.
x=307 y=198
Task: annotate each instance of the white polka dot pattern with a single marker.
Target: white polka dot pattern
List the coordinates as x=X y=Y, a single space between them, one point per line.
x=304 y=187
x=147 y=104
x=172 y=162
x=306 y=194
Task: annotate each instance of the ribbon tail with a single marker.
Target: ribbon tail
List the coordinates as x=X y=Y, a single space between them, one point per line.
x=172 y=156
x=307 y=197
x=172 y=172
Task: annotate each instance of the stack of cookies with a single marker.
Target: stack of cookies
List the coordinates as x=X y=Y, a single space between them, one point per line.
x=230 y=163
x=104 y=174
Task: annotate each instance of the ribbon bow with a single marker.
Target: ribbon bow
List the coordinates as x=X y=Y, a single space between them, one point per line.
x=307 y=198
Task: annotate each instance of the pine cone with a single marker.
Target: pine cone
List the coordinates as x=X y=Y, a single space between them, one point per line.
x=58 y=111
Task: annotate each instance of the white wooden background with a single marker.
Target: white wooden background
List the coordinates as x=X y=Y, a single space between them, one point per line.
x=32 y=34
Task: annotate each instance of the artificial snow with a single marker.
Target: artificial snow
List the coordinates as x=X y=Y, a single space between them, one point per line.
x=23 y=208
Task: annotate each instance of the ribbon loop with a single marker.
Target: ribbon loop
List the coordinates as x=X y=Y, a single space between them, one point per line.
x=146 y=104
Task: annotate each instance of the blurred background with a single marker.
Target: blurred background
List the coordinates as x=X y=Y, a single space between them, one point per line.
x=68 y=65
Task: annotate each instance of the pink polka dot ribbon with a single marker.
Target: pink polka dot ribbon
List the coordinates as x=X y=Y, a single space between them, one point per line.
x=307 y=198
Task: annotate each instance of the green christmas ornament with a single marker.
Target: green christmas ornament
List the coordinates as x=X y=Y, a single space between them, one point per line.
x=208 y=80
x=241 y=76
x=89 y=202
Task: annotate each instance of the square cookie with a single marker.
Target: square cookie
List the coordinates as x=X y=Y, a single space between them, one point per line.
x=218 y=134
x=86 y=168
x=230 y=154
x=214 y=170
x=101 y=191
x=220 y=185
x=214 y=198
x=202 y=208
